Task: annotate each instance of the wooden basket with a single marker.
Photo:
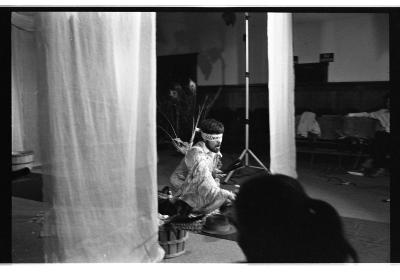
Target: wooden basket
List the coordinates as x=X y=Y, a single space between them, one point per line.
x=172 y=240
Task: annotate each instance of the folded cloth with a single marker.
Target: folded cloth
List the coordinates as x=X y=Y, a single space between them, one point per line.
x=307 y=124
x=382 y=115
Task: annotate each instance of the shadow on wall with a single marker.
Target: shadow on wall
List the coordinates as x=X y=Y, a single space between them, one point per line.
x=206 y=60
x=184 y=38
x=201 y=33
x=214 y=54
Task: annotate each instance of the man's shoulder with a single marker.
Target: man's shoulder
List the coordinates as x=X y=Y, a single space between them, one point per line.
x=199 y=146
x=196 y=149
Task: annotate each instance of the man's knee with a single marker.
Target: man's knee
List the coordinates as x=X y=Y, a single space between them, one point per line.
x=182 y=208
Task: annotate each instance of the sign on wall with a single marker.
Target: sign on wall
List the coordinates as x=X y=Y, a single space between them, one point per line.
x=326 y=57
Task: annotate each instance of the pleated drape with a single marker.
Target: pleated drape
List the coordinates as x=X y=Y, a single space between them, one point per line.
x=23 y=85
x=281 y=94
x=97 y=126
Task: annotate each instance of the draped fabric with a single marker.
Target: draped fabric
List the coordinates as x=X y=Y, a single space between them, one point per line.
x=97 y=104
x=281 y=94
x=24 y=85
x=16 y=102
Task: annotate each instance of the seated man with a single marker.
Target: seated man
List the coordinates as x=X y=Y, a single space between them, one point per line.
x=380 y=146
x=196 y=179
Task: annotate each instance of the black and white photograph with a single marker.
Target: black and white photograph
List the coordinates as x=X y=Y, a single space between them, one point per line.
x=201 y=135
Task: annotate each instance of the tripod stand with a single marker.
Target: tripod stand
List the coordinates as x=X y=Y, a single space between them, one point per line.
x=246 y=150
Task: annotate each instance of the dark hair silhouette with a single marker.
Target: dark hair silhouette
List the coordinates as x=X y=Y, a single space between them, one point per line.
x=278 y=222
x=211 y=126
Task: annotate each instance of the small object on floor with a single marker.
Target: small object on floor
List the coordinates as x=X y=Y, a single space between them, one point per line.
x=218 y=224
x=340 y=181
x=386 y=200
x=377 y=172
x=347 y=183
x=359 y=172
x=355 y=173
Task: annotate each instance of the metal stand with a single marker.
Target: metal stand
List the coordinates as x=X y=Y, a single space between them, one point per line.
x=246 y=150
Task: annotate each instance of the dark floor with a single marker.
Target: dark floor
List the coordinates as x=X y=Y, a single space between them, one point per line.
x=358 y=200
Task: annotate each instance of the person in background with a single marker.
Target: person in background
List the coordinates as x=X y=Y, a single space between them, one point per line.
x=380 y=146
x=196 y=180
x=278 y=222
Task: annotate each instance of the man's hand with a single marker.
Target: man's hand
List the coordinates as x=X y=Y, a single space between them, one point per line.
x=231 y=196
x=218 y=174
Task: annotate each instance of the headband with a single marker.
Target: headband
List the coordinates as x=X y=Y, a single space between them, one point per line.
x=211 y=137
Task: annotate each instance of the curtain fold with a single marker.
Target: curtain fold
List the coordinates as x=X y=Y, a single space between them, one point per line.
x=97 y=98
x=16 y=101
x=281 y=94
x=23 y=86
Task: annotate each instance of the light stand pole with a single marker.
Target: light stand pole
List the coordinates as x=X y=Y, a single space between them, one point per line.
x=246 y=150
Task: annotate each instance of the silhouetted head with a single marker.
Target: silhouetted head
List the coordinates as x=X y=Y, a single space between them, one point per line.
x=211 y=133
x=278 y=222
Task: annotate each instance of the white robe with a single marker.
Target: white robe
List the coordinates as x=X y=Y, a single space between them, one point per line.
x=193 y=180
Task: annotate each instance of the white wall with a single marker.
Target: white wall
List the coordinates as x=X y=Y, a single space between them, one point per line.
x=362 y=47
x=360 y=43
x=307 y=41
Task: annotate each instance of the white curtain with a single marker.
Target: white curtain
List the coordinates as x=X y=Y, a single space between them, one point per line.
x=97 y=98
x=281 y=94
x=24 y=86
x=16 y=103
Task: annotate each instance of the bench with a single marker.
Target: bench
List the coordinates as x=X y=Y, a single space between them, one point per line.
x=340 y=136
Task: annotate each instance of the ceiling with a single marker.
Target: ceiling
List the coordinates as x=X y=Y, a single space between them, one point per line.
x=310 y=17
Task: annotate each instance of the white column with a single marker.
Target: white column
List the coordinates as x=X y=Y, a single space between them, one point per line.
x=281 y=94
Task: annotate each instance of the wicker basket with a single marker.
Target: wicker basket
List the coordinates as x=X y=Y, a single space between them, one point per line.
x=172 y=240
x=195 y=226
